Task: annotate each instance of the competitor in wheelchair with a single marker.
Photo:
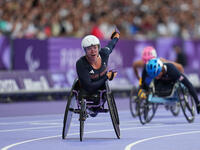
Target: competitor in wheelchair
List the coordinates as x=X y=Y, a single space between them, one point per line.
x=92 y=68
x=166 y=74
x=148 y=53
x=90 y=90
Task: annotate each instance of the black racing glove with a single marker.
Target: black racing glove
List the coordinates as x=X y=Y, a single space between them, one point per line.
x=115 y=34
x=111 y=74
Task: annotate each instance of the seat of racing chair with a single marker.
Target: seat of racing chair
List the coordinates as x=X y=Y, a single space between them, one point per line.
x=162 y=89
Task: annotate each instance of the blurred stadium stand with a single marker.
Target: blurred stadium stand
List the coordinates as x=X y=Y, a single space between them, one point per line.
x=38 y=48
x=142 y=19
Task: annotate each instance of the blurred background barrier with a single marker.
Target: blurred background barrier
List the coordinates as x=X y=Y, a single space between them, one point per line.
x=61 y=53
x=33 y=68
x=40 y=41
x=38 y=85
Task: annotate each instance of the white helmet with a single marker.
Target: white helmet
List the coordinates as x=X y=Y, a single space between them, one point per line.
x=90 y=40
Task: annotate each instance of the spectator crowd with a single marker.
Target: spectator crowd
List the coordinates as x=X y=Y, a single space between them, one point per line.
x=136 y=19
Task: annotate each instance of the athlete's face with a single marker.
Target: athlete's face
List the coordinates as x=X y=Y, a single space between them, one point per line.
x=92 y=52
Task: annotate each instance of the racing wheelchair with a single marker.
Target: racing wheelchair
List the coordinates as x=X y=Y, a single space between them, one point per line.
x=89 y=105
x=174 y=94
x=134 y=109
x=134 y=105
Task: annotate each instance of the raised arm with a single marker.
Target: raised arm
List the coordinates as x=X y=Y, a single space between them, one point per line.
x=111 y=44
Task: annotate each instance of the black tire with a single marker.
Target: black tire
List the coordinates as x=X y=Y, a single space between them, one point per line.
x=68 y=114
x=133 y=103
x=146 y=111
x=142 y=111
x=175 y=109
x=82 y=118
x=187 y=103
x=151 y=111
x=113 y=109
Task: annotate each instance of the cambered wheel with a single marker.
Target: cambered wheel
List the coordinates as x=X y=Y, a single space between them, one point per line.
x=187 y=104
x=68 y=114
x=113 y=114
x=133 y=103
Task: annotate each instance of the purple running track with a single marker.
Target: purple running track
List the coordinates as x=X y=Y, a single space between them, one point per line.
x=38 y=125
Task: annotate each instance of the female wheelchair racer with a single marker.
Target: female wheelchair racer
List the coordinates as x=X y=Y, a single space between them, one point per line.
x=91 y=89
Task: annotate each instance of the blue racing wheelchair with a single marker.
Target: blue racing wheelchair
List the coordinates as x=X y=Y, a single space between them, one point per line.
x=134 y=103
x=87 y=105
x=134 y=109
x=173 y=95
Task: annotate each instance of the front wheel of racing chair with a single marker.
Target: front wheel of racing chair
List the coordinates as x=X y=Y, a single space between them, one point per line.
x=187 y=103
x=146 y=110
x=82 y=117
x=69 y=110
x=175 y=109
x=113 y=110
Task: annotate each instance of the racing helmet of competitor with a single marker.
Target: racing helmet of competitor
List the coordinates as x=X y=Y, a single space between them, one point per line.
x=154 y=67
x=90 y=40
x=148 y=53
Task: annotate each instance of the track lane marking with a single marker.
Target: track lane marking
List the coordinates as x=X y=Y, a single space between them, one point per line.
x=23 y=129
x=72 y=124
x=128 y=147
x=29 y=122
x=70 y=134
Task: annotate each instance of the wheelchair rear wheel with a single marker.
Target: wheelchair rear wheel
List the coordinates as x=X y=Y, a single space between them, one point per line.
x=114 y=107
x=187 y=104
x=113 y=113
x=68 y=114
x=133 y=103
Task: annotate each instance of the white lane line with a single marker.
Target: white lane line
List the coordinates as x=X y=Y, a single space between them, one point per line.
x=42 y=120
x=98 y=118
x=128 y=147
x=123 y=123
x=29 y=122
x=45 y=115
x=27 y=141
x=33 y=116
x=96 y=131
x=23 y=129
x=49 y=137
x=72 y=124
